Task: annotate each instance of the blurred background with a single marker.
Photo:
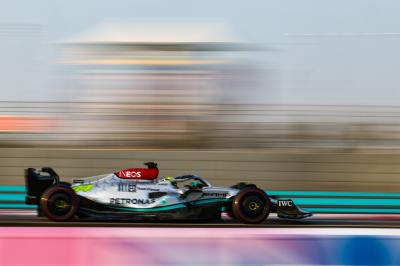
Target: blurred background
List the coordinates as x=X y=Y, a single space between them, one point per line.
x=298 y=97
x=290 y=95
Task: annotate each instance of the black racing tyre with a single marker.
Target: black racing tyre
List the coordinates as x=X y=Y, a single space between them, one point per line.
x=251 y=205
x=59 y=203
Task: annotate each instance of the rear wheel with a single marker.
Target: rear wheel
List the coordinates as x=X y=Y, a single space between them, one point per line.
x=251 y=205
x=59 y=203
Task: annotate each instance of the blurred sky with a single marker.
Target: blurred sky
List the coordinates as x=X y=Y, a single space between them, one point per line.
x=352 y=69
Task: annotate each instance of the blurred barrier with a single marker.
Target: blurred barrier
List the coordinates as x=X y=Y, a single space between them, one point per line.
x=271 y=170
x=319 y=182
x=13 y=197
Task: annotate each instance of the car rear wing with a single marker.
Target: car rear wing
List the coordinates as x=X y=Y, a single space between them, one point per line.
x=37 y=181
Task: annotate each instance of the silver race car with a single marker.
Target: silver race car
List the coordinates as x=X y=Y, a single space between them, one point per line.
x=137 y=194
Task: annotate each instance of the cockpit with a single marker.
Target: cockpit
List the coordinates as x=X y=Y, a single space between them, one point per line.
x=188 y=181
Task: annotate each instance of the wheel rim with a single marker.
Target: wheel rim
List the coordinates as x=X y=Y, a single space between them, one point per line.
x=253 y=206
x=59 y=204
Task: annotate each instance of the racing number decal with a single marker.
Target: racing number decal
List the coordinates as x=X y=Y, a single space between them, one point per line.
x=126 y=187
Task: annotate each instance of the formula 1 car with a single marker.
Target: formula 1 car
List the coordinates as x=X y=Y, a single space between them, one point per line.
x=137 y=194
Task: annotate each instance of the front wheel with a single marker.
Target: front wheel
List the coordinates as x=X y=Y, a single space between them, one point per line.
x=59 y=203
x=251 y=205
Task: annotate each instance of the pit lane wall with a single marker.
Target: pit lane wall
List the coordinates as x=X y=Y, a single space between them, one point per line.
x=320 y=182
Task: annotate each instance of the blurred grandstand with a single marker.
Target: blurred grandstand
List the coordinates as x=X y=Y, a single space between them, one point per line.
x=210 y=126
x=141 y=86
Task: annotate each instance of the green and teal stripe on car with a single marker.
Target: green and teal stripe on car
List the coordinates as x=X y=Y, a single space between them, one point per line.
x=13 y=197
x=170 y=207
x=155 y=209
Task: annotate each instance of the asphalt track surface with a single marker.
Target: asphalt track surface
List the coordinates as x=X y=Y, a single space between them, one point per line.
x=152 y=246
x=18 y=218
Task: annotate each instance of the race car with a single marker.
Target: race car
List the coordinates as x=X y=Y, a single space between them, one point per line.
x=137 y=194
